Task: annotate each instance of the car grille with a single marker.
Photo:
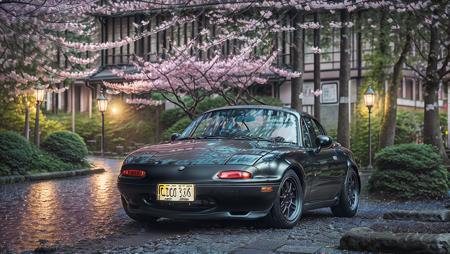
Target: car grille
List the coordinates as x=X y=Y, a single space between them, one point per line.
x=202 y=203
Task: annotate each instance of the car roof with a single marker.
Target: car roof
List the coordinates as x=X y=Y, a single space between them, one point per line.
x=286 y=109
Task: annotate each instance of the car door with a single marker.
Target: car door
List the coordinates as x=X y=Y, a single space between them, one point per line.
x=321 y=163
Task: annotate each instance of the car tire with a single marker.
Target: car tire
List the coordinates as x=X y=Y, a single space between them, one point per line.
x=137 y=217
x=277 y=216
x=349 y=196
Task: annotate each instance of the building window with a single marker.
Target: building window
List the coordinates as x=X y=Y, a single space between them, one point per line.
x=419 y=91
x=409 y=89
x=400 y=90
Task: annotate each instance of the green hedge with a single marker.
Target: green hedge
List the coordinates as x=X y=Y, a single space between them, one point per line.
x=19 y=157
x=409 y=171
x=66 y=145
x=16 y=154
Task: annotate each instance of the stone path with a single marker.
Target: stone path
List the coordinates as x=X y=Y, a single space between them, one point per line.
x=84 y=215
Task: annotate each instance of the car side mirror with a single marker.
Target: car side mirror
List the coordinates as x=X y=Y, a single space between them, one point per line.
x=323 y=141
x=174 y=136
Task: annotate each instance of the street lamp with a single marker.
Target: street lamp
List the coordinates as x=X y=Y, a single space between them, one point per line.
x=102 y=106
x=369 y=100
x=39 y=93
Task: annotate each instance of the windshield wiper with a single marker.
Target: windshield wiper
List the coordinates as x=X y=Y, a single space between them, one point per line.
x=207 y=137
x=253 y=138
x=272 y=140
x=200 y=137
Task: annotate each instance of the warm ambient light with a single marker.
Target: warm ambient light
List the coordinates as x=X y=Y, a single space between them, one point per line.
x=102 y=103
x=369 y=97
x=234 y=174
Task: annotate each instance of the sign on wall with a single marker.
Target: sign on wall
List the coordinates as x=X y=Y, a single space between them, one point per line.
x=329 y=93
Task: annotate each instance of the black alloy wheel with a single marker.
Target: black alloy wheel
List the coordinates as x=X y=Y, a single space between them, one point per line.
x=349 y=197
x=287 y=208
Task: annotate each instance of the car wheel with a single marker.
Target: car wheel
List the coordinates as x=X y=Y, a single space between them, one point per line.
x=287 y=208
x=137 y=217
x=349 y=197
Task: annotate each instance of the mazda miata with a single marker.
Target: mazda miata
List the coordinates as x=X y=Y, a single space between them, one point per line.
x=244 y=162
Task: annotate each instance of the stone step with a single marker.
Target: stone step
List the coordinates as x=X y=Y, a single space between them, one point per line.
x=422 y=215
x=365 y=239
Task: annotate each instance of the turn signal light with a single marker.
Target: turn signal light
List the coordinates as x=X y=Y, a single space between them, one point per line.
x=133 y=172
x=234 y=174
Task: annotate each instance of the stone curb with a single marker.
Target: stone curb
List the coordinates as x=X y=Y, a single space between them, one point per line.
x=365 y=239
x=423 y=215
x=50 y=175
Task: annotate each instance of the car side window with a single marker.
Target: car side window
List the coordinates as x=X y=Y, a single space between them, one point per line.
x=308 y=138
x=318 y=129
x=311 y=129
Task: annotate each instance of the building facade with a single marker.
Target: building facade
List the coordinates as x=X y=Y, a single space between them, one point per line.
x=82 y=94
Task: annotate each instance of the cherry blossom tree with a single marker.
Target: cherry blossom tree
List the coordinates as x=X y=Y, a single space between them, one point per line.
x=53 y=40
x=182 y=74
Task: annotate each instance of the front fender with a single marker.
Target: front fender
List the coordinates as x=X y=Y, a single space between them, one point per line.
x=276 y=165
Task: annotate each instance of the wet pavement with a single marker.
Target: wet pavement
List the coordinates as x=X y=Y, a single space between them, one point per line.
x=63 y=210
x=84 y=215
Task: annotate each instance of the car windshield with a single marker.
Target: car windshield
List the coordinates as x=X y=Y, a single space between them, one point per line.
x=245 y=123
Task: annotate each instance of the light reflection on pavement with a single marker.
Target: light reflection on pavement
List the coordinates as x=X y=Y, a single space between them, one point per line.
x=61 y=211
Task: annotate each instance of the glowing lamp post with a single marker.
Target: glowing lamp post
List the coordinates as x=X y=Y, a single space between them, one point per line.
x=102 y=106
x=39 y=93
x=369 y=100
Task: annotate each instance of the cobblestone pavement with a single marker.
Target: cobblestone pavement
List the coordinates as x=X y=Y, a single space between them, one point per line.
x=84 y=214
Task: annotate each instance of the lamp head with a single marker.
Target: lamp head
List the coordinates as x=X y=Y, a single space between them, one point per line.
x=102 y=103
x=369 y=97
x=39 y=92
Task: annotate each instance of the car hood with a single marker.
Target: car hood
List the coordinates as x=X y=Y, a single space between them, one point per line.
x=210 y=151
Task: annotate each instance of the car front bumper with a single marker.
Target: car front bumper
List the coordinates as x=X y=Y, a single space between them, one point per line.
x=213 y=201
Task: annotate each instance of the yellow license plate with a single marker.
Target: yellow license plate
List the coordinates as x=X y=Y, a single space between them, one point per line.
x=176 y=192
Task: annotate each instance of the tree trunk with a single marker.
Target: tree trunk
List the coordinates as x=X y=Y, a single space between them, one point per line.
x=343 y=135
x=431 y=128
x=298 y=63
x=26 y=129
x=384 y=51
x=389 y=121
x=316 y=68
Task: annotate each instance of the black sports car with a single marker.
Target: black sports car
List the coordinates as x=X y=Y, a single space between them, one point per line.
x=244 y=162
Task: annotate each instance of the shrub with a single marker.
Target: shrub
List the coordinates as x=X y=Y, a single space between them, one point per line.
x=171 y=116
x=178 y=127
x=19 y=157
x=211 y=103
x=409 y=157
x=46 y=162
x=66 y=145
x=409 y=171
x=15 y=153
